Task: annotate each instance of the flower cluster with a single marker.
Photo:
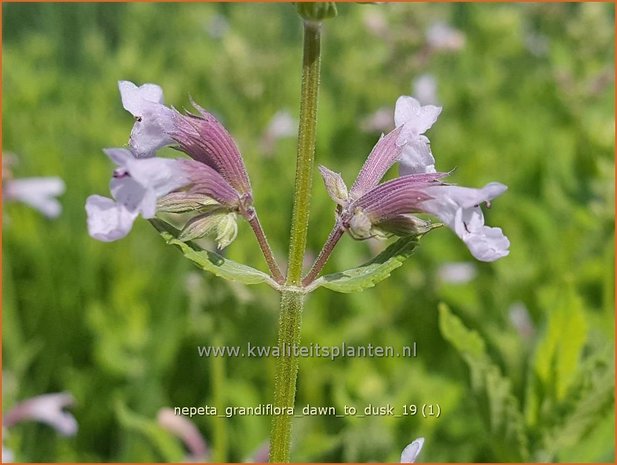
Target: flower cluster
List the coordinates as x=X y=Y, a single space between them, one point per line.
x=213 y=185
x=370 y=209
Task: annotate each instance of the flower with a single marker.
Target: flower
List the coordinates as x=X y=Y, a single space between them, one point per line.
x=425 y=89
x=135 y=187
x=282 y=125
x=457 y=272
x=370 y=209
x=458 y=208
x=184 y=429
x=48 y=409
x=442 y=36
x=152 y=118
x=410 y=453
x=214 y=185
x=38 y=192
x=415 y=120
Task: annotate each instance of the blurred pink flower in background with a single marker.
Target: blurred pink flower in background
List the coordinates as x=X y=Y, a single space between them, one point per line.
x=48 y=409
x=443 y=37
x=186 y=431
x=38 y=192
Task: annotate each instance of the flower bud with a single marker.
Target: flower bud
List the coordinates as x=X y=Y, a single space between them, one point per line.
x=360 y=225
x=221 y=224
x=184 y=202
x=337 y=190
x=316 y=11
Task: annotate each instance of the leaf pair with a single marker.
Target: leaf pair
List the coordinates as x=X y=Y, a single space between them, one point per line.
x=353 y=280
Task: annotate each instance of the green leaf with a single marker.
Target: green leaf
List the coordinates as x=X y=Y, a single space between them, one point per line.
x=163 y=442
x=372 y=272
x=590 y=398
x=492 y=390
x=211 y=261
x=557 y=355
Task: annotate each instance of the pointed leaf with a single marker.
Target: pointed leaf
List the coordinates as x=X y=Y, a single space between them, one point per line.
x=492 y=390
x=163 y=442
x=372 y=272
x=211 y=261
x=589 y=400
x=558 y=352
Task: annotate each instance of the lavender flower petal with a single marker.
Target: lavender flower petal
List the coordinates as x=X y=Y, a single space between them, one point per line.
x=138 y=183
x=411 y=452
x=458 y=207
x=107 y=220
x=153 y=120
x=415 y=120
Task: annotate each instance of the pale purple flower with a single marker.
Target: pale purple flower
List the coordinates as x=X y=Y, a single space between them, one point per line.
x=40 y=193
x=152 y=118
x=282 y=125
x=186 y=431
x=411 y=452
x=519 y=317
x=261 y=455
x=415 y=120
x=48 y=409
x=457 y=272
x=135 y=187
x=425 y=89
x=214 y=185
x=442 y=36
x=379 y=121
x=370 y=209
x=458 y=208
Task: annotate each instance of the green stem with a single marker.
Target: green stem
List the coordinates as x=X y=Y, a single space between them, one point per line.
x=292 y=296
x=306 y=151
x=290 y=321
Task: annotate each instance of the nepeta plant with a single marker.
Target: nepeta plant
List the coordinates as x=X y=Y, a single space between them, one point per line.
x=213 y=187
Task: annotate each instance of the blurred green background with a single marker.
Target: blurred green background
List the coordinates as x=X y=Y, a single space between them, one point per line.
x=528 y=97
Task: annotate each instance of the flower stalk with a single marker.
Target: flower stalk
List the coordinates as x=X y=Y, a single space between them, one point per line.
x=253 y=220
x=321 y=260
x=292 y=296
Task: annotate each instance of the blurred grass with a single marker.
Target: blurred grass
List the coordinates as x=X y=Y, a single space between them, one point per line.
x=528 y=101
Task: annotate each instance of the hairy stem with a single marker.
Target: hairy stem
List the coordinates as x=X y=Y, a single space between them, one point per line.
x=336 y=233
x=306 y=151
x=275 y=271
x=290 y=321
x=292 y=297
